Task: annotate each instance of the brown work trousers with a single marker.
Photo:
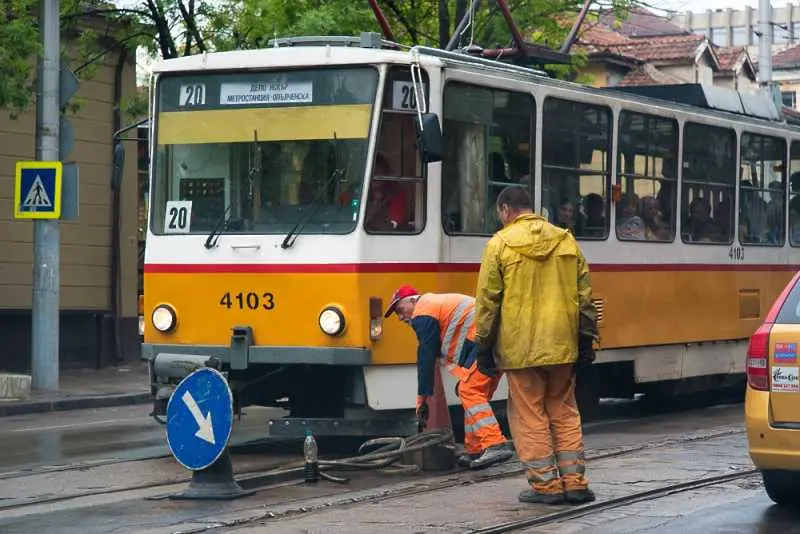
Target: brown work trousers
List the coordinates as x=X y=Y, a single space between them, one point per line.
x=546 y=427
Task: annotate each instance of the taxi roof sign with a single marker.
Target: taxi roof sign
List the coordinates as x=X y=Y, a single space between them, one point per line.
x=37 y=190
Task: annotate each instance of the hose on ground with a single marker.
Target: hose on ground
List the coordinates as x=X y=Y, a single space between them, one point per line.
x=390 y=451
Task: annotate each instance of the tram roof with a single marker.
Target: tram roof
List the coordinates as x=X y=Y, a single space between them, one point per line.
x=370 y=49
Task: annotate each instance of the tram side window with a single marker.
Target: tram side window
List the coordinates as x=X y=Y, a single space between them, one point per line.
x=708 y=184
x=576 y=167
x=488 y=137
x=396 y=200
x=762 y=190
x=794 y=195
x=648 y=148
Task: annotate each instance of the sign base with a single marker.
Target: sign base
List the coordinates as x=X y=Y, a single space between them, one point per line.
x=215 y=482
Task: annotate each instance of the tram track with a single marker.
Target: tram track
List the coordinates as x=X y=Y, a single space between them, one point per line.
x=286 y=473
x=301 y=507
x=610 y=504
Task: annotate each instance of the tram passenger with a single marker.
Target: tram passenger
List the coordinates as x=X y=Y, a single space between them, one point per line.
x=655 y=228
x=565 y=216
x=594 y=224
x=701 y=227
x=629 y=224
x=387 y=206
x=532 y=261
x=444 y=327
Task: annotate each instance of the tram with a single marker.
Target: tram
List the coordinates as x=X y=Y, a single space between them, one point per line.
x=294 y=188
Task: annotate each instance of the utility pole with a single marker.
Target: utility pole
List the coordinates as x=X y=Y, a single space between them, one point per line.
x=765 y=47
x=46 y=239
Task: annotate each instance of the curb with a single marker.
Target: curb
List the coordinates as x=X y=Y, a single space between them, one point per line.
x=74 y=403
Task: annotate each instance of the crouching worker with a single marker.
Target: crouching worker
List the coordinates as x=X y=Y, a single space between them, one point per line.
x=444 y=326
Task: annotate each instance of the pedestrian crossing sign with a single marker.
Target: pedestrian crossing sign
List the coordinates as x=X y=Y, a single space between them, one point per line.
x=37 y=192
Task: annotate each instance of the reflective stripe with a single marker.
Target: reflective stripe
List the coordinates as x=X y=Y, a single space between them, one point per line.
x=550 y=461
x=571 y=469
x=535 y=477
x=478 y=408
x=462 y=336
x=570 y=456
x=461 y=310
x=486 y=421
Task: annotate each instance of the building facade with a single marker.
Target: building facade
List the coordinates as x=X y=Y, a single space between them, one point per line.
x=98 y=253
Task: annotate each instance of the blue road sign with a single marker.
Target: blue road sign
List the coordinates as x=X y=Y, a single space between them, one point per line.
x=37 y=191
x=200 y=419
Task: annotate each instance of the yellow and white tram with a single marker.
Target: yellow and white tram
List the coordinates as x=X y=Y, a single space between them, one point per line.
x=289 y=198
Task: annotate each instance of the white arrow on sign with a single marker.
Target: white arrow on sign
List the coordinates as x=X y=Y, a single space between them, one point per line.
x=206 y=431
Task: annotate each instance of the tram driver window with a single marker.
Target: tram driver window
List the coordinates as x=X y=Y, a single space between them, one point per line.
x=794 y=195
x=396 y=200
x=708 y=184
x=576 y=167
x=648 y=148
x=488 y=138
x=762 y=190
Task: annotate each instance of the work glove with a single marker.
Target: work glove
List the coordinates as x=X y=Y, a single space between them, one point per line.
x=586 y=353
x=422 y=410
x=486 y=363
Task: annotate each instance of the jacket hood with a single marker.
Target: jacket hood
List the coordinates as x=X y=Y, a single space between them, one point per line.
x=532 y=236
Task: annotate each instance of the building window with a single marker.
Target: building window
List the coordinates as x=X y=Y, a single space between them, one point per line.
x=489 y=143
x=789 y=99
x=762 y=190
x=708 y=184
x=648 y=146
x=718 y=36
x=741 y=37
x=576 y=166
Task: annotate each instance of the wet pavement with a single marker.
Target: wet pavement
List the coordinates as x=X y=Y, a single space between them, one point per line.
x=114 y=497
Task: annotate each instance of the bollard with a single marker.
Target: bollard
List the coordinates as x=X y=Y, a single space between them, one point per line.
x=216 y=482
x=199 y=425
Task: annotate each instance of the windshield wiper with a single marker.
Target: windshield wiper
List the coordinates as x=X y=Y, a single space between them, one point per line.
x=252 y=173
x=221 y=226
x=298 y=227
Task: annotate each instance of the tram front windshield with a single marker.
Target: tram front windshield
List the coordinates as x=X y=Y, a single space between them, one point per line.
x=259 y=149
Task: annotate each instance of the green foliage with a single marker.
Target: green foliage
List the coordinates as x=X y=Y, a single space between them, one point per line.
x=18 y=45
x=94 y=29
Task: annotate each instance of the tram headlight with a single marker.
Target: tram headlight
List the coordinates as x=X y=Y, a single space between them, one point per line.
x=331 y=321
x=164 y=318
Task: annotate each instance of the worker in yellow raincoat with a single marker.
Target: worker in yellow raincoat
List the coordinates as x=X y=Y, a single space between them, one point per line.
x=533 y=309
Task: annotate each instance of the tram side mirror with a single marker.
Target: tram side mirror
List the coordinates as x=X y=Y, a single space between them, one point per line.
x=429 y=133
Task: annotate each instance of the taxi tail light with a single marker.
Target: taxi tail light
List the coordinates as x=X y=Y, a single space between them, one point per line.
x=758 y=359
x=375 y=318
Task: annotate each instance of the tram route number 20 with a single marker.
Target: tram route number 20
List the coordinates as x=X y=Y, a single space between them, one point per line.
x=248 y=301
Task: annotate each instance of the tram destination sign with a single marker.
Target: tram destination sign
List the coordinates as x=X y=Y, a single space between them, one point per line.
x=266 y=93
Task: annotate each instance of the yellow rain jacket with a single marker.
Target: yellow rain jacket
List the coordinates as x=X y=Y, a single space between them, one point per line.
x=536 y=274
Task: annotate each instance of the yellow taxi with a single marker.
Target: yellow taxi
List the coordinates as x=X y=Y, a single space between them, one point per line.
x=772 y=401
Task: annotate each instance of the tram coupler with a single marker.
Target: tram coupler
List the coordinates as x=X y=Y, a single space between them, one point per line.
x=216 y=482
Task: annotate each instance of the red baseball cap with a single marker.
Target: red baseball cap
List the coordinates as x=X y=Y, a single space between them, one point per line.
x=401 y=293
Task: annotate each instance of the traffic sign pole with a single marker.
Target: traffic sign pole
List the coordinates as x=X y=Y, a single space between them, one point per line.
x=46 y=258
x=199 y=425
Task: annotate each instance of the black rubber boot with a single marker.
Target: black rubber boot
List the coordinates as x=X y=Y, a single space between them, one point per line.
x=579 y=496
x=490 y=456
x=466 y=459
x=532 y=497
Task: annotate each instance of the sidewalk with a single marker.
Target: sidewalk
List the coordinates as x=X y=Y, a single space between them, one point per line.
x=81 y=389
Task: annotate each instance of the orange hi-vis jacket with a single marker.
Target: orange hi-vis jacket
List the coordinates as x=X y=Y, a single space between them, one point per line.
x=445 y=327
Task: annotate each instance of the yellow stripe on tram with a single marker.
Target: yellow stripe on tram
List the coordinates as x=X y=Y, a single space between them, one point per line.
x=272 y=124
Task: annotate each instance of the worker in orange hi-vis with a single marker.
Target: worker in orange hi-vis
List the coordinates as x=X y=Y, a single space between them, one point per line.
x=444 y=327
x=534 y=312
